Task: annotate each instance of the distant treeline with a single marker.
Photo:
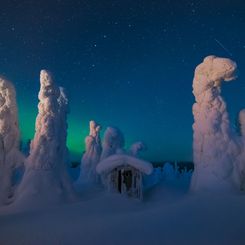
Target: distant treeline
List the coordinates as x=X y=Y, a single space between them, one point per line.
x=181 y=166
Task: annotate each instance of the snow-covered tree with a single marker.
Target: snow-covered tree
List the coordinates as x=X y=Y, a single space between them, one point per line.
x=44 y=146
x=45 y=173
x=242 y=122
x=113 y=142
x=239 y=174
x=63 y=150
x=92 y=154
x=215 y=147
x=10 y=156
x=137 y=148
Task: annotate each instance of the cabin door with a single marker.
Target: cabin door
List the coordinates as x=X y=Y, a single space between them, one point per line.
x=119 y=181
x=128 y=179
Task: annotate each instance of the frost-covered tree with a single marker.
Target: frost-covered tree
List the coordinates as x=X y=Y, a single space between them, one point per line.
x=137 y=148
x=242 y=122
x=113 y=142
x=91 y=157
x=239 y=175
x=44 y=146
x=45 y=175
x=215 y=147
x=63 y=150
x=10 y=156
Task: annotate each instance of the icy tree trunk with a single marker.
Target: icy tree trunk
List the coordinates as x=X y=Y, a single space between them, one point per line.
x=214 y=144
x=10 y=156
x=45 y=176
x=113 y=142
x=91 y=157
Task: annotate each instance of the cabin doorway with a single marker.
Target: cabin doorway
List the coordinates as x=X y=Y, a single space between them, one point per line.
x=127 y=179
x=124 y=180
x=119 y=181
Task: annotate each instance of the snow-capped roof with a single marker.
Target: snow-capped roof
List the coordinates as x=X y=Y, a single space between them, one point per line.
x=117 y=160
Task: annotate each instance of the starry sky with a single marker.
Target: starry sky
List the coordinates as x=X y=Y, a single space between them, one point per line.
x=124 y=63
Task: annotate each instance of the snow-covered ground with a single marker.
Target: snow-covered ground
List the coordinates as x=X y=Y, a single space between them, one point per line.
x=169 y=214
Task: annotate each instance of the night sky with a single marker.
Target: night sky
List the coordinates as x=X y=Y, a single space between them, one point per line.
x=127 y=63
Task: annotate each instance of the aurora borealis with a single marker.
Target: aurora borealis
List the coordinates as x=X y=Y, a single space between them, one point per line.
x=128 y=64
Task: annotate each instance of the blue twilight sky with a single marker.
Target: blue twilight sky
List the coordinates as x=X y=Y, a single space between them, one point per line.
x=124 y=63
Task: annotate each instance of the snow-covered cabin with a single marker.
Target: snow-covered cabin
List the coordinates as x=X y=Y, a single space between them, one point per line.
x=124 y=174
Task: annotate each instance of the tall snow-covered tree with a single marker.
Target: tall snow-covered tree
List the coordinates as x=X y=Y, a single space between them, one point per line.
x=10 y=156
x=63 y=150
x=137 y=148
x=113 y=142
x=45 y=175
x=215 y=145
x=44 y=146
x=239 y=175
x=241 y=122
x=91 y=157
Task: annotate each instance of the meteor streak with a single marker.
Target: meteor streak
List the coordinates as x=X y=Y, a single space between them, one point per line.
x=223 y=47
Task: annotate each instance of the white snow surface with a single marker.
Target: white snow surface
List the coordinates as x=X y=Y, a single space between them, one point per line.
x=117 y=160
x=168 y=215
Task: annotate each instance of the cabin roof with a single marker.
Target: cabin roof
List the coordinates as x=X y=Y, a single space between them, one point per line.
x=117 y=160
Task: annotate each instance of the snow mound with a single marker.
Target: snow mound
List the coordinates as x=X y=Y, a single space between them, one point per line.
x=41 y=189
x=117 y=160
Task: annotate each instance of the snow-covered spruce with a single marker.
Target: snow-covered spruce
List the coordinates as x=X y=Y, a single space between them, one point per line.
x=242 y=122
x=63 y=150
x=92 y=155
x=10 y=156
x=239 y=174
x=137 y=148
x=215 y=146
x=113 y=142
x=45 y=179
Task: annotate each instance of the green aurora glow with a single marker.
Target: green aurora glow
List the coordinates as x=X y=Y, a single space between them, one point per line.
x=76 y=131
